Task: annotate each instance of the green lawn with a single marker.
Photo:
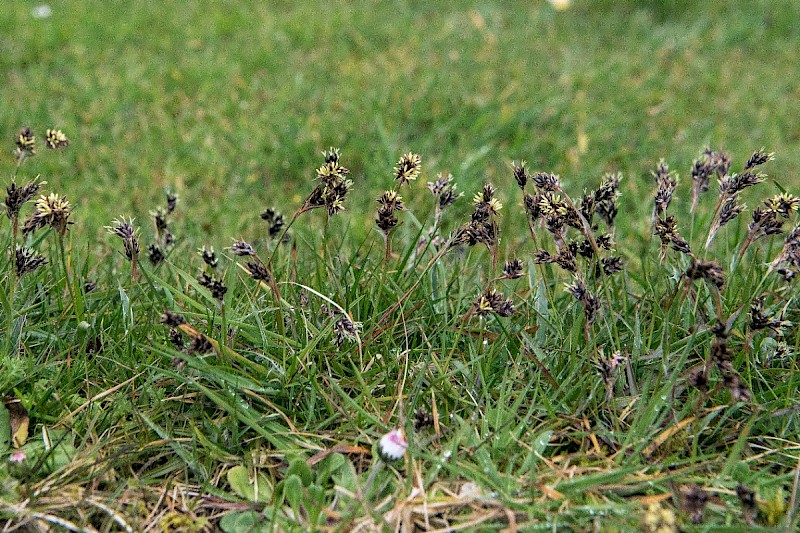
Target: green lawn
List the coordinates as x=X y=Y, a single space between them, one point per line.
x=275 y=425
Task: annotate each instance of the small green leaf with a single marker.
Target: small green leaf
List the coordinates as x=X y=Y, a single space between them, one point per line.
x=301 y=470
x=293 y=491
x=257 y=489
x=316 y=494
x=346 y=476
x=541 y=441
x=329 y=466
x=243 y=522
x=5 y=429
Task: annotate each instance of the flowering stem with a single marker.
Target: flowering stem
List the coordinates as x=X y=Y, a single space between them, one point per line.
x=586 y=229
x=297 y=213
x=403 y=298
x=14 y=231
x=65 y=265
x=388 y=255
x=133 y=267
x=224 y=324
x=745 y=246
x=714 y=227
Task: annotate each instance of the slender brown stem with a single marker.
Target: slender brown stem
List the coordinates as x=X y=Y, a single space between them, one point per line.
x=403 y=298
x=543 y=369
x=745 y=246
x=388 y=254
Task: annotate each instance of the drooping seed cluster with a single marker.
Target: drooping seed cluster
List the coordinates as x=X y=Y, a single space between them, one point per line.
x=333 y=185
x=16 y=196
x=51 y=210
x=482 y=227
x=27 y=260
x=124 y=229
x=275 y=222
x=390 y=202
x=730 y=185
x=549 y=206
x=709 y=163
x=164 y=239
x=345 y=329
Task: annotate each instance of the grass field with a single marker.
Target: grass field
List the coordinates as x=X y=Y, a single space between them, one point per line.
x=252 y=395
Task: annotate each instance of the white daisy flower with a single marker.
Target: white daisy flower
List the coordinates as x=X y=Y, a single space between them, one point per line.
x=393 y=445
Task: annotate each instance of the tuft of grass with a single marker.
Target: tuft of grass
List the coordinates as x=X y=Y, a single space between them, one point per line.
x=590 y=340
x=564 y=380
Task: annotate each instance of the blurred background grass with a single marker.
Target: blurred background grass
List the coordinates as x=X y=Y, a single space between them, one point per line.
x=230 y=103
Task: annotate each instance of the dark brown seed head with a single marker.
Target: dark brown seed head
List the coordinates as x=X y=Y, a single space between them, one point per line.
x=242 y=249
x=546 y=181
x=738 y=390
x=257 y=271
x=176 y=338
x=707 y=270
x=172 y=319
x=611 y=265
x=493 y=302
x=695 y=499
x=172 y=201
x=201 y=344
x=665 y=187
x=731 y=185
x=729 y=210
x=275 y=221
x=124 y=229
x=345 y=330
x=422 y=419
x=764 y=222
x=532 y=206
x=566 y=260
x=513 y=269
x=720 y=352
x=55 y=139
x=485 y=203
x=392 y=200
x=27 y=260
x=588 y=207
x=759 y=157
x=408 y=168
x=697 y=378
x=790 y=255
x=607 y=192
x=209 y=256
x=16 y=197
x=385 y=220
x=605 y=241
x=26 y=143
x=783 y=204
x=520 y=174
x=155 y=255
x=578 y=290
x=444 y=190
x=720 y=330
x=591 y=306
x=159 y=218
x=214 y=285
x=53 y=210
x=543 y=256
